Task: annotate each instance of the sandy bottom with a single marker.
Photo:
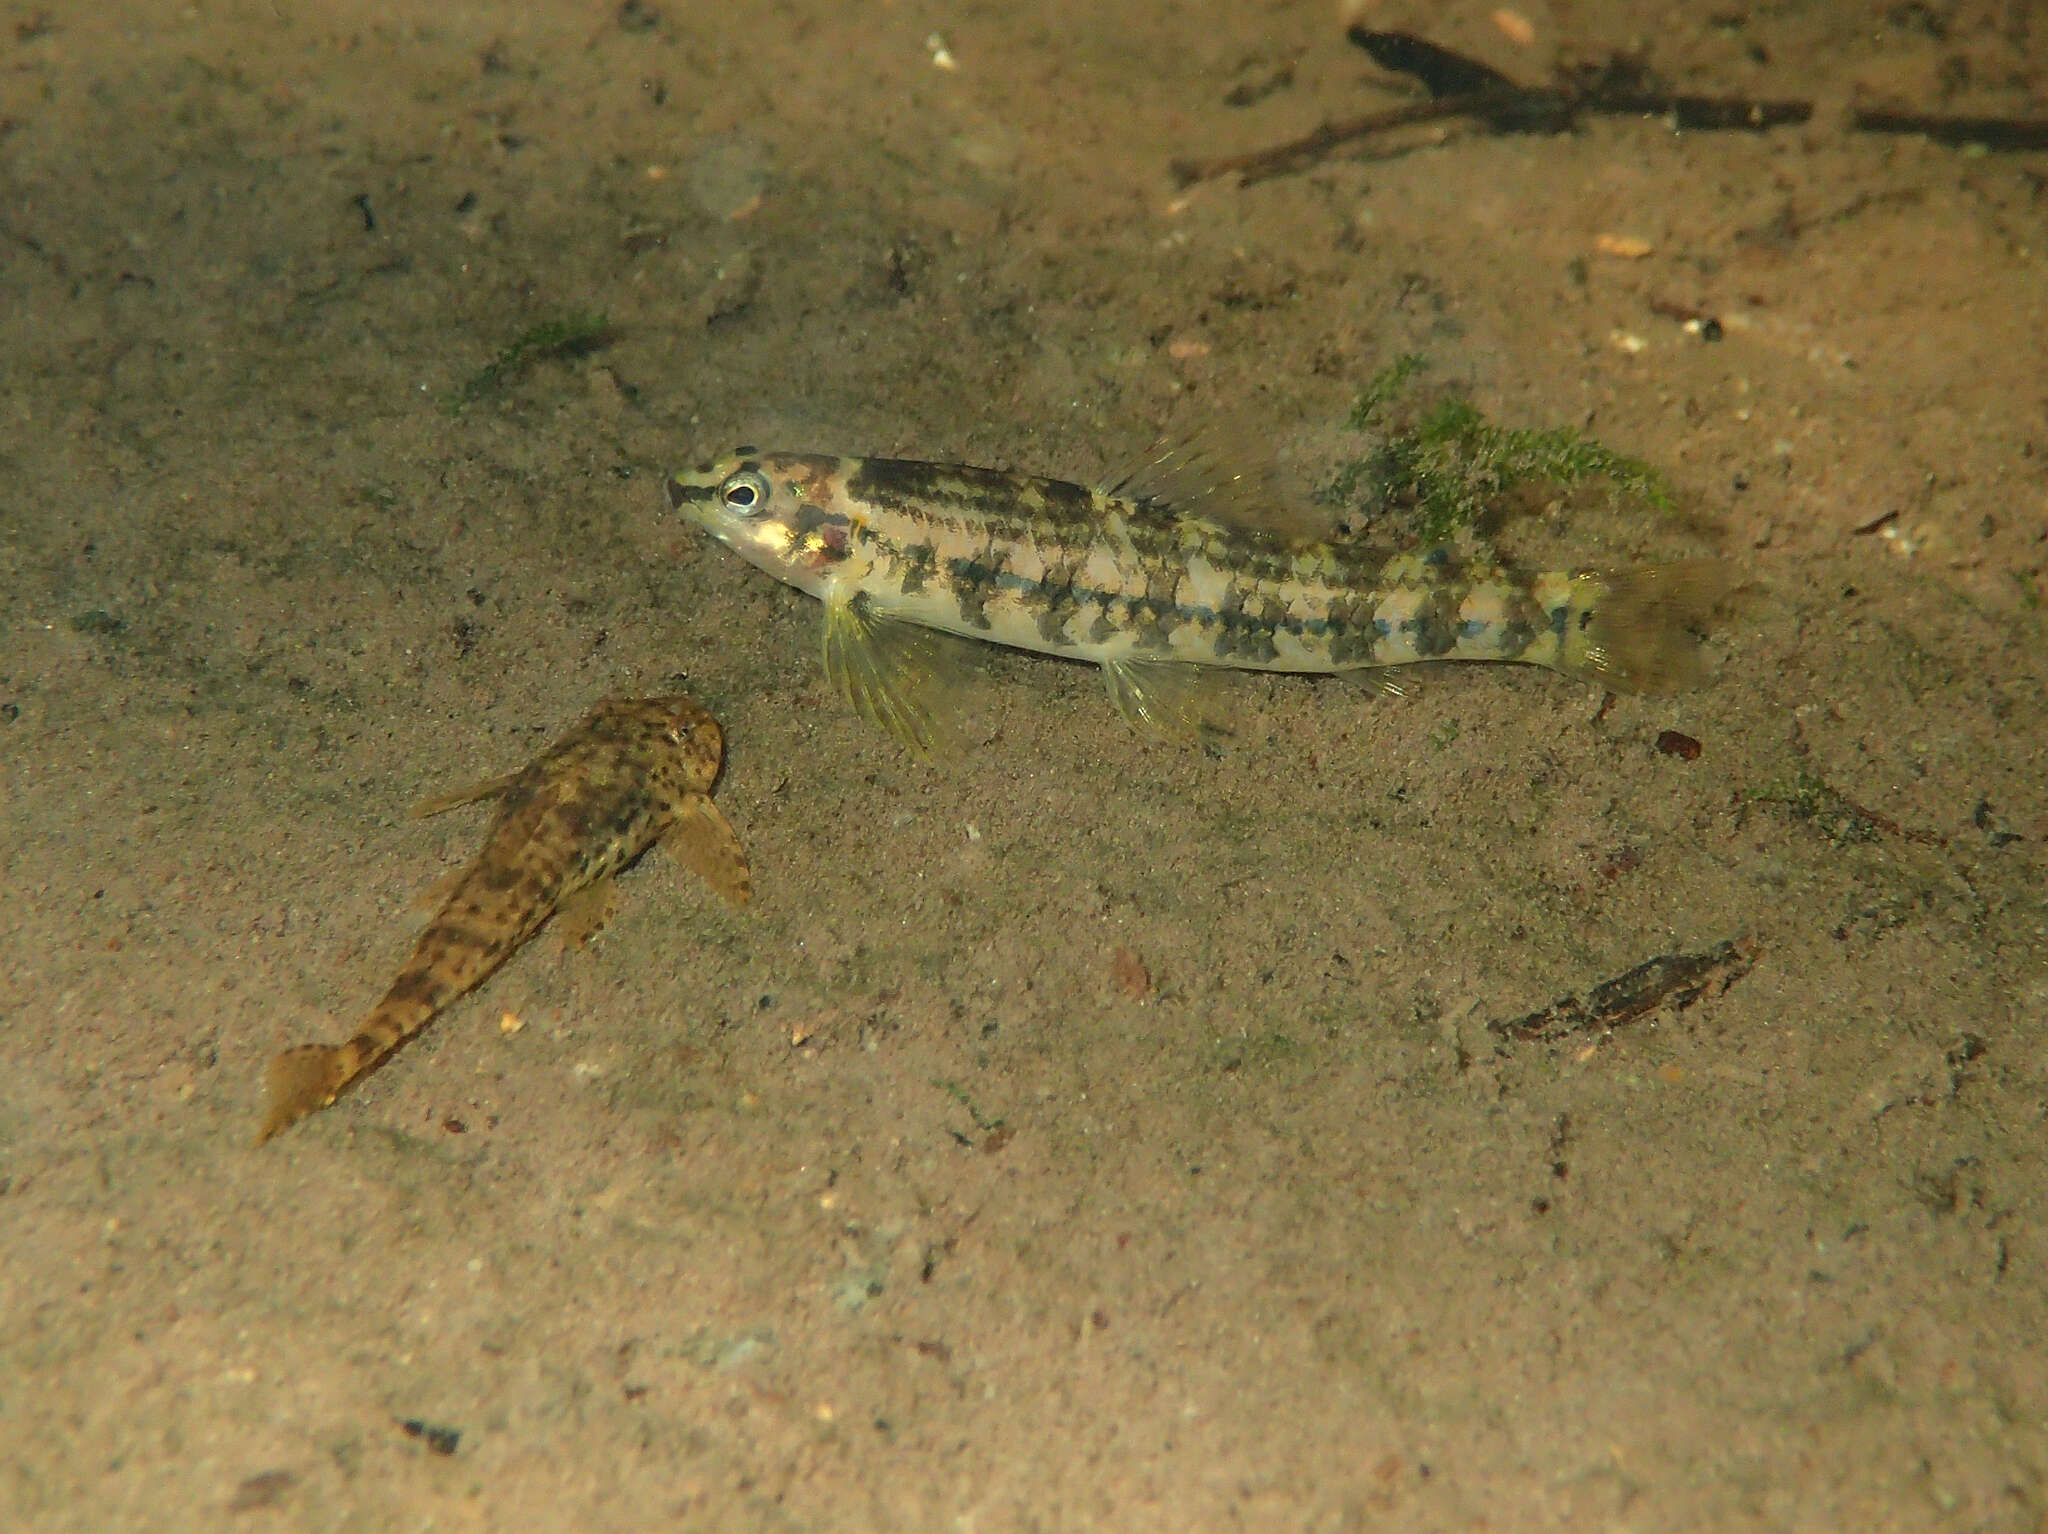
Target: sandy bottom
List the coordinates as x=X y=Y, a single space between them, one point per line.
x=1092 y=1135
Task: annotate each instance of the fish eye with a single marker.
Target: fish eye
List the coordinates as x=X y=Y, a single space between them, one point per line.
x=745 y=492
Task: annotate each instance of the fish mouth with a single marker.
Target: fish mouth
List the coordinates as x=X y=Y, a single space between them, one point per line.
x=689 y=490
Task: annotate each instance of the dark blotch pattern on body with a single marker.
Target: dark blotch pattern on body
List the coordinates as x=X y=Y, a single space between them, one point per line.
x=915 y=567
x=1434 y=628
x=972 y=582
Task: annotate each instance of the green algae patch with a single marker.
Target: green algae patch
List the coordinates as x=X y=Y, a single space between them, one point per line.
x=1435 y=458
x=574 y=335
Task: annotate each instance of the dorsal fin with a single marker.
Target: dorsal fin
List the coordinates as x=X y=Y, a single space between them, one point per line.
x=1204 y=475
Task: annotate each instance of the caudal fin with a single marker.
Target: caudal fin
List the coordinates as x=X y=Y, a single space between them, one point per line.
x=1633 y=630
x=302 y=1081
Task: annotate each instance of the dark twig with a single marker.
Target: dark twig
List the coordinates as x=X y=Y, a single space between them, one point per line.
x=1463 y=87
x=1441 y=71
x=1992 y=132
x=1296 y=153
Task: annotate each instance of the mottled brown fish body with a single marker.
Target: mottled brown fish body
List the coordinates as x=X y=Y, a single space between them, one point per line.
x=630 y=771
x=1128 y=581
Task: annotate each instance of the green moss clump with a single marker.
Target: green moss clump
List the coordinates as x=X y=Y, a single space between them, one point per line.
x=574 y=335
x=1811 y=798
x=1383 y=387
x=1446 y=463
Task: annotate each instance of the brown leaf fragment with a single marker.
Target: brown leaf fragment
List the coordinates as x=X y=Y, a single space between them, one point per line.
x=263 y=1490
x=1678 y=978
x=1128 y=974
x=1622 y=860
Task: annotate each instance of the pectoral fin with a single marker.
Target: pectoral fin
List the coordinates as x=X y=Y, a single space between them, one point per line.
x=703 y=841
x=898 y=674
x=490 y=788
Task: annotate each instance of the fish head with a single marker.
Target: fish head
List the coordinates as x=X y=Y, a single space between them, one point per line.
x=780 y=511
x=695 y=745
x=672 y=735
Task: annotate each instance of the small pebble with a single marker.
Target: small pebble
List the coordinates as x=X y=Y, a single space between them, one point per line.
x=1630 y=247
x=441 y=1440
x=1516 y=27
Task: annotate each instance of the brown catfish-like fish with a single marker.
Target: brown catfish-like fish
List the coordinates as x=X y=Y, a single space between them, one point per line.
x=632 y=771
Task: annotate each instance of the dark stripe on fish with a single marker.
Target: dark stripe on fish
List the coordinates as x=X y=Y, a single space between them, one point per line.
x=902 y=484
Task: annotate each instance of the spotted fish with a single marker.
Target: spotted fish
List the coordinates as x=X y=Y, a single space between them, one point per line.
x=1139 y=581
x=632 y=771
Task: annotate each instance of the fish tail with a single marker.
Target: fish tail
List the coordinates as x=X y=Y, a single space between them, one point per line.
x=310 y=1077
x=1634 y=630
x=302 y=1081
